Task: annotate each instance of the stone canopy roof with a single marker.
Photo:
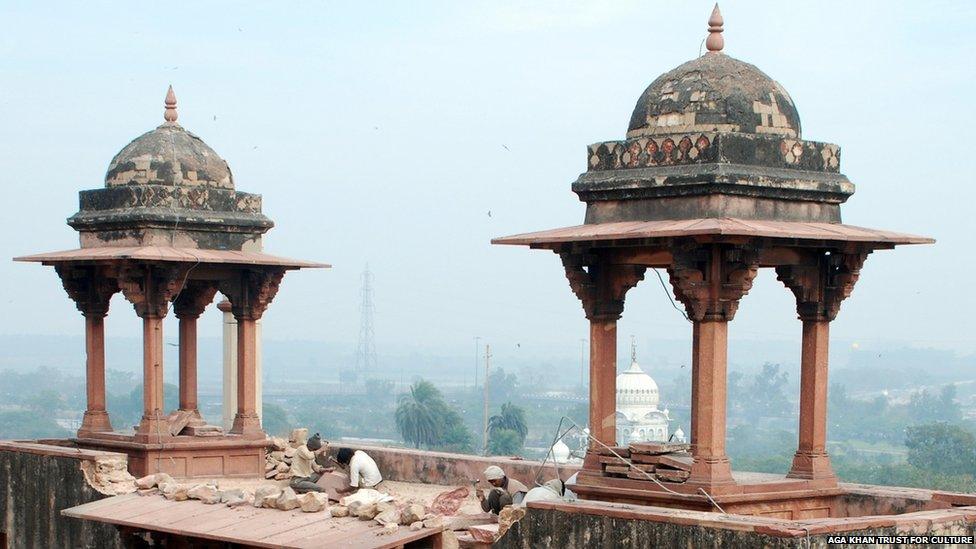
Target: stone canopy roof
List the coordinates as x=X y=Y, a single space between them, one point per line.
x=169 y=188
x=713 y=150
x=711 y=94
x=169 y=155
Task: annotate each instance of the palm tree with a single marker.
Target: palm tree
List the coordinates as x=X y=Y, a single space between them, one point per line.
x=512 y=418
x=417 y=414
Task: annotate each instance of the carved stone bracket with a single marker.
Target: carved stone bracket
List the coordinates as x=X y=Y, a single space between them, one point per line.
x=601 y=288
x=251 y=292
x=196 y=295
x=90 y=287
x=150 y=288
x=821 y=287
x=709 y=280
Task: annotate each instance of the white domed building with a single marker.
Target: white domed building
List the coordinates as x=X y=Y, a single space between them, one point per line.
x=638 y=418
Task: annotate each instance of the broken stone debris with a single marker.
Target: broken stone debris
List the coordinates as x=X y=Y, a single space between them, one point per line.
x=263 y=493
x=447 y=503
x=486 y=533
x=662 y=461
x=287 y=500
x=313 y=502
x=413 y=512
x=109 y=476
x=507 y=517
x=207 y=493
x=151 y=481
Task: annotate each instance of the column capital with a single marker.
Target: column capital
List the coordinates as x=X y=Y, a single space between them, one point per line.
x=821 y=286
x=251 y=291
x=710 y=279
x=601 y=287
x=150 y=288
x=89 y=286
x=194 y=298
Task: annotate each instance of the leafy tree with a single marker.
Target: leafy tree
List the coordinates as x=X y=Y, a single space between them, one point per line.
x=502 y=387
x=928 y=407
x=28 y=424
x=737 y=394
x=46 y=402
x=125 y=410
x=417 y=414
x=769 y=388
x=941 y=447
x=504 y=442
x=274 y=419
x=457 y=438
x=511 y=418
x=378 y=389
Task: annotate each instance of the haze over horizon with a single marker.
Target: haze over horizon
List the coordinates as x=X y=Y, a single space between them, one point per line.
x=385 y=134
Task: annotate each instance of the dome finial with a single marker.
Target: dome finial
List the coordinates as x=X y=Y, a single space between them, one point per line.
x=169 y=115
x=633 y=349
x=715 y=41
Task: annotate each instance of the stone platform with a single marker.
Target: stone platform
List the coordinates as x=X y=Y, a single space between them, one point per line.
x=751 y=494
x=185 y=456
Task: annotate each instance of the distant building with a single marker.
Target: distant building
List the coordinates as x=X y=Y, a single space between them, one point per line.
x=638 y=418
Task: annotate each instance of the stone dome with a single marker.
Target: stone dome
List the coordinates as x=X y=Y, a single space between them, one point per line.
x=169 y=155
x=636 y=389
x=560 y=452
x=714 y=93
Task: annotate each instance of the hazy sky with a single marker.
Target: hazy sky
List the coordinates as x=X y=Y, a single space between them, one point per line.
x=386 y=132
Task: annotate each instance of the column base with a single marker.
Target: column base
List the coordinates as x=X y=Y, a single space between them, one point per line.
x=711 y=472
x=152 y=428
x=811 y=466
x=95 y=421
x=247 y=426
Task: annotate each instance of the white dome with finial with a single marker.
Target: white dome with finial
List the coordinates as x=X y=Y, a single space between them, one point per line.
x=560 y=452
x=638 y=417
x=679 y=435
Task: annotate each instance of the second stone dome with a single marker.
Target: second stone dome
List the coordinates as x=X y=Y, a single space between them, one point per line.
x=169 y=155
x=714 y=93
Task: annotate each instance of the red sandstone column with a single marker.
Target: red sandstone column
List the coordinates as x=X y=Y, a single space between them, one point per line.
x=96 y=417
x=247 y=422
x=603 y=381
x=820 y=284
x=811 y=460
x=188 y=363
x=708 y=388
x=188 y=305
x=710 y=281
x=153 y=425
x=249 y=296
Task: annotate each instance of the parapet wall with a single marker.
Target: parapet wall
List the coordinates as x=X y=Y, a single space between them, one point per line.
x=402 y=464
x=37 y=481
x=585 y=524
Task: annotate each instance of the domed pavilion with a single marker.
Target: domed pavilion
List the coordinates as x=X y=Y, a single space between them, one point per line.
x=712 y=182
x=638 y=417
x=169 y=229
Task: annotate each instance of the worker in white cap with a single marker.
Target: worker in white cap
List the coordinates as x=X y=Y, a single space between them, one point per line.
x=504 y=491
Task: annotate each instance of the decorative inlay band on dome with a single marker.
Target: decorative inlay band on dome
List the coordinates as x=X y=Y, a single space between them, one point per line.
x=705 y=148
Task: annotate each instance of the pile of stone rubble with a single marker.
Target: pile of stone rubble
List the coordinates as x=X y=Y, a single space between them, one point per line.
x=277 y=460
x=664 y=461
x=390 y=514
